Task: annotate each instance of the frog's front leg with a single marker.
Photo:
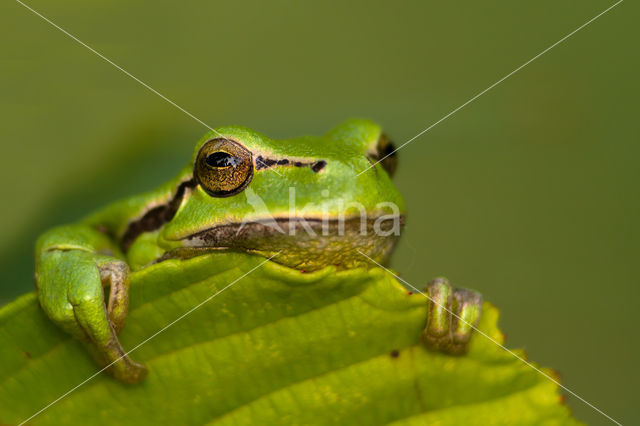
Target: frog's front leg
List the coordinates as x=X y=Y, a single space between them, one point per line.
x=73 y=265
x=452 y=317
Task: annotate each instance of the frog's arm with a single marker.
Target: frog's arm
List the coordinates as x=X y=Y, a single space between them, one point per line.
x=74 y=263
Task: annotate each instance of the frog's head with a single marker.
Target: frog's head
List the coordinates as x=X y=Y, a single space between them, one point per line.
x=315 y=201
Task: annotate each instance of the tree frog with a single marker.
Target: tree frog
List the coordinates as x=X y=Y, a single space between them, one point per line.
x=307 y=202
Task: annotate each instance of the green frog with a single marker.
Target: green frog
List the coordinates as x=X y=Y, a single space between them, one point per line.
x=305 y=203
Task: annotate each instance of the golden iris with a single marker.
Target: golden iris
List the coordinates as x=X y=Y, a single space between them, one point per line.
x=223 y=167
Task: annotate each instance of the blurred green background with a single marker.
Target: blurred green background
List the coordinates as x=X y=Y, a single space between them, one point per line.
x=529 y=194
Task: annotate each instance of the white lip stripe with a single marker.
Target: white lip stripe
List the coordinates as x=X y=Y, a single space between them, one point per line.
x=494 y=341
x=495 y=84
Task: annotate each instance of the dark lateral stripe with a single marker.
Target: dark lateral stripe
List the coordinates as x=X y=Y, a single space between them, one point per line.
x=156 y=217
x=265 y=163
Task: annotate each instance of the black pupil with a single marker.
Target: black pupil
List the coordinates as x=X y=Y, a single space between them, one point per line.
x=222 y=159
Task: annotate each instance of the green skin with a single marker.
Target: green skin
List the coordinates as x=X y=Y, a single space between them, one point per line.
x=74 y=263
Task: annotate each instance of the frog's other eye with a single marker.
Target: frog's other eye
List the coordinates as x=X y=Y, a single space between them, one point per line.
x=385 y=153
x=223 y=167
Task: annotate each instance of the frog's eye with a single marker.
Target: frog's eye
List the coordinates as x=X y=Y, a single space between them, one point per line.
x=223 y=167
x=385 y=153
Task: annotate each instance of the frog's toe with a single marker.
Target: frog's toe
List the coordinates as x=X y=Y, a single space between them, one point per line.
x=115 y=275
x=467 y=307
x=452 y=317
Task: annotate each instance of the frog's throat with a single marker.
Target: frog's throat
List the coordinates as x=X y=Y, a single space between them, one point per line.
x=307 y=244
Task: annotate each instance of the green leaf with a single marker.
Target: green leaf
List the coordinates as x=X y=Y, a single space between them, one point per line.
x=277 y=347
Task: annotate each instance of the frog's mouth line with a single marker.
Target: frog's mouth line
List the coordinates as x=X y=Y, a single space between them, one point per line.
x=307 y=244
x=230 y=235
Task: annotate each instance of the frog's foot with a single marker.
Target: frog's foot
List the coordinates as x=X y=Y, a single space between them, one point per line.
x=452 y=317
x=70 y=288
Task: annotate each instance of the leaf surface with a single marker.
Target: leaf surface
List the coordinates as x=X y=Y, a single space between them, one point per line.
x=276 y=347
